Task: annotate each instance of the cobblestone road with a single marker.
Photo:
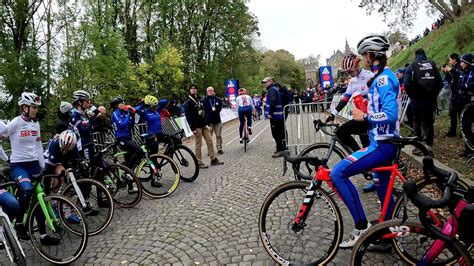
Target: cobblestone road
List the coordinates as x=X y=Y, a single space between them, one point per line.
x=212 y=221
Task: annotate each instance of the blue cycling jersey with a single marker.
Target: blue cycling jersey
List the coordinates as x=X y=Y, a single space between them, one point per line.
x=121 y=122
x=153 y=120
x=83 y=125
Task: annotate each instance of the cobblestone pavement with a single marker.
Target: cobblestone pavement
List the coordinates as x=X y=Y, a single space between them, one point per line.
x=212 y=221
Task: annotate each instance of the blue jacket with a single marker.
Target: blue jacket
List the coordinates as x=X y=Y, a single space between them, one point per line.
x=274 y=103
x=212 y=116
x=122 y=123
x=152 y=119
x=466 y=82
x=83 y=125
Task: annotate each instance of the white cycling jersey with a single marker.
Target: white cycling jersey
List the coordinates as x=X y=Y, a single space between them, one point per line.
x=25 y=139
x=357 y=84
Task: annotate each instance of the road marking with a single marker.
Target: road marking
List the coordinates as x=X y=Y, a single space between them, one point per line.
x=232 y=140
x=259 y=134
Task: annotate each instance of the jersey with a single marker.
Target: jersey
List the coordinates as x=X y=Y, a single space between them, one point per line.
x=84 y=126
x=356 y=84
x=244 y=101
x=121 y=121
x=152 y=119
x=383 y=106
x=25 y=139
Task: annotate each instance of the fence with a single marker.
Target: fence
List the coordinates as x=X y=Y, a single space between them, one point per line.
x=299 y=123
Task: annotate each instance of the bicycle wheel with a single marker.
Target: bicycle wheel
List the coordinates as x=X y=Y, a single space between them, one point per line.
x=467 y=125
x=323 y=152
x=245 y=144
x=12 y=246
x=100 y=205
x=431 y=190
x=388 y=242
x=72 y=236
x=316 y=243
x=162 y=182
x=187 y=162
x=123 y=185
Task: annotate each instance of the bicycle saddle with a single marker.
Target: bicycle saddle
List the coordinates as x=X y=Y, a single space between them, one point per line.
x=401 y=141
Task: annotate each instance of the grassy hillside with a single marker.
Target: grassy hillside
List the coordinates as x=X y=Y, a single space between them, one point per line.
x=452 y=37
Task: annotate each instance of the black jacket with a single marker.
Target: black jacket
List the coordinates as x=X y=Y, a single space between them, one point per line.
x=192 y=108
x=410 y=86
x=214 y=117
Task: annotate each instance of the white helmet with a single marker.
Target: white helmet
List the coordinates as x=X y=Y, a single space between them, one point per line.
x=30 y=99
x=65 y=107
x=80 y=95
x=375 y=43
x=67 y=140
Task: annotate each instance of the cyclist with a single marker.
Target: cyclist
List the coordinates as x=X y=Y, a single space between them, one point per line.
x=150 y=113
x=27 y=160
x=81 y=101
x=357 y=84
x=122 y=121
x=245 y=109
x=382 y=118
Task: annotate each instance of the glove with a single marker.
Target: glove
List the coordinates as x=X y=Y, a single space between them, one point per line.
x=330 y=118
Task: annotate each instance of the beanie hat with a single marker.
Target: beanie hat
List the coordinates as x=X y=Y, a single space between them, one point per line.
x=467 y=58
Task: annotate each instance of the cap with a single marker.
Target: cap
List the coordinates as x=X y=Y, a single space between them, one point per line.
x=467 y=58
x=266 y=79
x=401 y=70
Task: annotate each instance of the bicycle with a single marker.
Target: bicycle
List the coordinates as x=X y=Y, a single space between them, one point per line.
x=439 y=244
x=245 y=134
x=117 y=178
x=9 y=239
x=298 y=220
x=95 y=195
x=182 y=155
x=52 y=211
x=158 y=174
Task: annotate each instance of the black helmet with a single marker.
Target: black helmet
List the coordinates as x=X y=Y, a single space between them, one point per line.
x=116 y=101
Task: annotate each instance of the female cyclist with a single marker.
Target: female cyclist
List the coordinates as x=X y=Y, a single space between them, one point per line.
x=382 y=119
x=245 y=105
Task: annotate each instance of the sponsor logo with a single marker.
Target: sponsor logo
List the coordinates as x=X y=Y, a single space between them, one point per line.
x=28 y=133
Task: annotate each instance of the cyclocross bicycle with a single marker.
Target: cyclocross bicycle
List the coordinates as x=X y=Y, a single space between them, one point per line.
x=182 y=155
x=431 y=244
x=9 y=239
x=301 y=222
x=51 y=212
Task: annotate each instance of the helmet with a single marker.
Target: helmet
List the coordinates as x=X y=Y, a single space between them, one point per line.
x=151 y=100
x=373 y=43
x=67 y=140
x=242 y=91
x=65 y=107
x=30 y=99
x=350 y=62
x=80 y=95
x=116 y=101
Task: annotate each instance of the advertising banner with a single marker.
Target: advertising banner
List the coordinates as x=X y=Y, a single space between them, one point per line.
x=325 y=76
x=231 y=92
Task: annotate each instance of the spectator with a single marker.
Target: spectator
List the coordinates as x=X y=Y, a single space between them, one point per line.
x=275 y=114
x=212 y=109
x=423 y=82
x=466 y=87
x=455 y=101
x=444 y=94
x=194 y=112
x=257 y=103
x=101 y=123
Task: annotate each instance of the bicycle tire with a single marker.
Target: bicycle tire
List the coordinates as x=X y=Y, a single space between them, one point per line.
x=432 y=191
x=168 y=177
x=95 y=223
x=467 y=121
x=13 y=244
x=122 y=179
x=186 y=164
x=400 y=244
x=269 y=239
x=62 y=206
x=245 y=144
x=321 y=150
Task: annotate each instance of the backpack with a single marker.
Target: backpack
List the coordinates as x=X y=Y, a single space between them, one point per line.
x=423 y=78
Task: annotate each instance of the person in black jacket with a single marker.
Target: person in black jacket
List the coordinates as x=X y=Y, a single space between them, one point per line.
x=194 y=111
x=212 y=109
x=424 y=100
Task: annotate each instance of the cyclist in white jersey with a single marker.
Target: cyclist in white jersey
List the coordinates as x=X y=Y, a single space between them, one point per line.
x=27 y=159
x=357 y=85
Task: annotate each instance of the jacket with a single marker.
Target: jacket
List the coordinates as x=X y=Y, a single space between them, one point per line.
x=410 y=86
x=213 y=116
x=194 y=112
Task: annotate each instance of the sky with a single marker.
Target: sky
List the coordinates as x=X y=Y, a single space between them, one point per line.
x=305 y=27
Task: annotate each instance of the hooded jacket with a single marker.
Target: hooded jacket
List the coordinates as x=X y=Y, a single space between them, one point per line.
x=410 y=87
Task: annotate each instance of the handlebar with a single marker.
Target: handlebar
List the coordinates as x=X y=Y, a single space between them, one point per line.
x=424 y=203
x=310 y=163
x=320 y=125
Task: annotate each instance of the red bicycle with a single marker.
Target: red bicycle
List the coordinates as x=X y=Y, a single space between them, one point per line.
x=309 y=231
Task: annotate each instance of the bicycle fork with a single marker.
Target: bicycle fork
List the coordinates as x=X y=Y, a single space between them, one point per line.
x=72 y=178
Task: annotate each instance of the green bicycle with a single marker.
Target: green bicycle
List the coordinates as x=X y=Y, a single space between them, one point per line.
x=51 y=212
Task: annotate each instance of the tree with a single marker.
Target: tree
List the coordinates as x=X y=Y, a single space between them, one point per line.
x=402 y=13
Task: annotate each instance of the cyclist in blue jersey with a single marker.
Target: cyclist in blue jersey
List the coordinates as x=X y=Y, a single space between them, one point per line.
x=122 y=121
x=81 y=101
x=27 y=161
x=382 y=119
x=150 y=113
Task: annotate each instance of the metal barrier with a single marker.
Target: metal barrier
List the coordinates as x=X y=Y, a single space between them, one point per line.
x=299 y=127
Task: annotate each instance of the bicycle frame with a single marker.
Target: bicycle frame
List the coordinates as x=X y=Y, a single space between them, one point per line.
x=9 y=224
x=45 y=207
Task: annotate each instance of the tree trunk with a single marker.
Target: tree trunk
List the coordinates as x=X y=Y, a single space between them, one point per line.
x=48 y=52
x=456 y=7
x=443 y=9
